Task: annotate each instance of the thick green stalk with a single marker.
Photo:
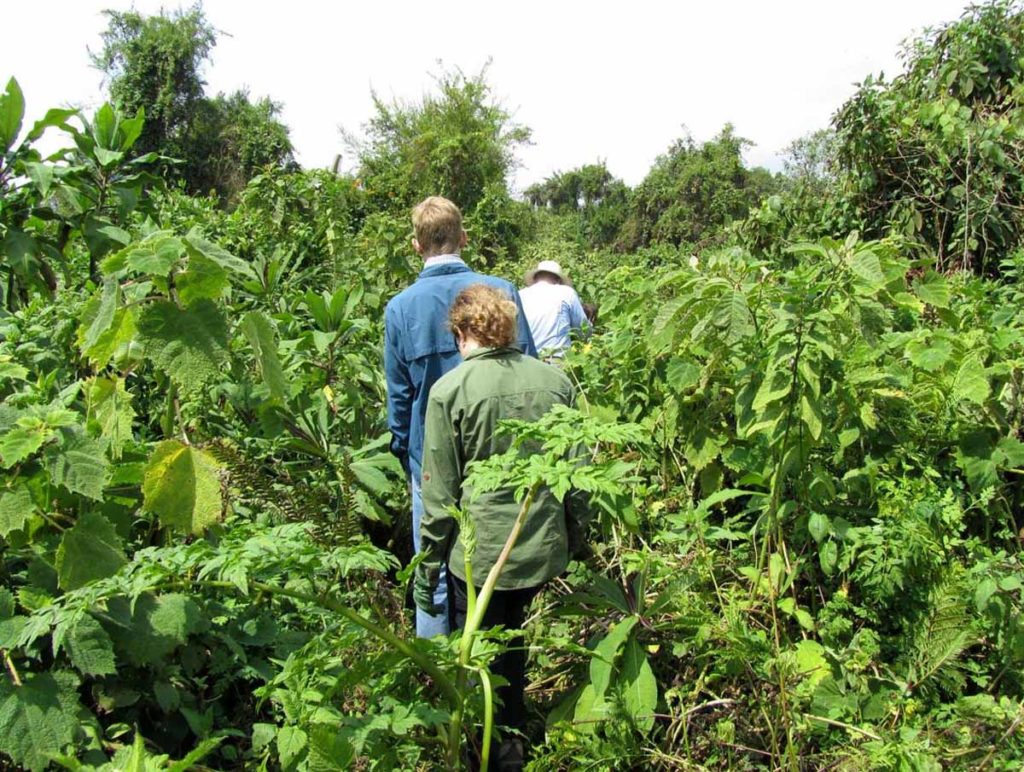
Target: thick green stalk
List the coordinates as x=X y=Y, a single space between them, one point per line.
x=476 y=608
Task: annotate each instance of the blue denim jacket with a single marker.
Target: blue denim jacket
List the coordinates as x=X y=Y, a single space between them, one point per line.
x=419 y=348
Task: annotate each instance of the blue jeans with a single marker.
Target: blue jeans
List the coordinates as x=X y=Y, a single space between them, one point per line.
x=428 y=626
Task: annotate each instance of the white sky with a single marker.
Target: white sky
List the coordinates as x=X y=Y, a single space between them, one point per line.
x=593 y=80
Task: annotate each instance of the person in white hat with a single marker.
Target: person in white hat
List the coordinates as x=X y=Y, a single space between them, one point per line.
x=552 y=309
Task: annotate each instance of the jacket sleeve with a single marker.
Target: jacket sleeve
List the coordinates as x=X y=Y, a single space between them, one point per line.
x=525 y=337
x=441 y=484
x=400 y=388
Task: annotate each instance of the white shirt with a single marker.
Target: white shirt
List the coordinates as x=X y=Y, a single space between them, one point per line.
x=552 y=310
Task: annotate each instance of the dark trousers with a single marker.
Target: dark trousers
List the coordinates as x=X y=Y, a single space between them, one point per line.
x=508 y=608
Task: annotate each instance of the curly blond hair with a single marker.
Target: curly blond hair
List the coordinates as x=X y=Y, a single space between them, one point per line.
x=486 y=313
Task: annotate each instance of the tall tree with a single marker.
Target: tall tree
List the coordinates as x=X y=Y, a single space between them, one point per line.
x=154 y=62
x=693 y=191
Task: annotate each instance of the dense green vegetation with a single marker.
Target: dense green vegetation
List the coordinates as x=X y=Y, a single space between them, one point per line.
x=803 y=401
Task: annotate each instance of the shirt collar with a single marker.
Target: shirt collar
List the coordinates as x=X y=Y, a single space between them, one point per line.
x=490 y=351
x=442 y=260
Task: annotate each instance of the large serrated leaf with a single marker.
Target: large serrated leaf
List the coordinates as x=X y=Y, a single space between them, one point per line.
x=934 y=290
x=110 y=411
x=22 y=440
x=639 y=687
x=929 y=356
x=203 y=279
x=259 y=331
x=15 y=509
x=970 y=382
x=100 y=317
x=155 y=255
x=189 y=344
x=182 y=488
x=80 y=465
x=198 y=245
x=90 y=648
x=865 y=265
x=88 y=551
x=38 y=718
x=154 y=627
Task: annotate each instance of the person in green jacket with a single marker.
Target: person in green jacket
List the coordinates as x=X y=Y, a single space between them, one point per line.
x=493 y=383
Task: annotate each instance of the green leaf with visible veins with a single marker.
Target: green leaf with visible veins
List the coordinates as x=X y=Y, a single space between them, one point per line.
x=90 y=550
x=38 y=718
x=259 y=331
x=90 y=648
x=970 y=382
x=80 y=465
x=100 y=317
x=639 y=688
x=190 y=344
x=15 y=509
x=110 y=411
x=182 y=488
x=22 y=440
x=203 y=279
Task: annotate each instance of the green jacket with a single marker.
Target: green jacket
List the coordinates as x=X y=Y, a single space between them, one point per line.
x=463 y=411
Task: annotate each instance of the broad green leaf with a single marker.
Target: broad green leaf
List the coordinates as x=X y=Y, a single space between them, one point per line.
x=818 y=526
x=182 y=488
x=11 y=370
x=370 y=477
x=738 y=322
x=605 y=654
x=702 y=448
x=55 y=116
x=90 y=648
x=983 y=593
x=12 y=111
x=828 y=556
x=155 y=626
x=639 y=688
x=80 y=465
x=203 y=279
x=116 y=342
x=970 y=382
x=155 y=255
x=104 y=124
x=41 y=175
x=330 y=751
x=15 y=509
x=102 y=317
x=39 y=718
x=681 y=375
x=260 y=333
x=88 y=551
x=110 y=411
x=865 y=265
x=190 y=345
x=810 y=414
x=776 y=385
x=22 y=440
x=131 y=129
x=934 y=290
x=810 y=661
x=929 y=356
x=291 y=742
x=198 y=245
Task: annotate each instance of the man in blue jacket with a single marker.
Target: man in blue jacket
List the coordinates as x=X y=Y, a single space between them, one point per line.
x=419 y=348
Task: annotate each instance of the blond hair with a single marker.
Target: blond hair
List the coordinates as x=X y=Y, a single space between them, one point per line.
x=486 y=313
x=437 y=224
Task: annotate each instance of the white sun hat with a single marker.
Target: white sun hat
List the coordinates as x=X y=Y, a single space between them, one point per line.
x=547 y=266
